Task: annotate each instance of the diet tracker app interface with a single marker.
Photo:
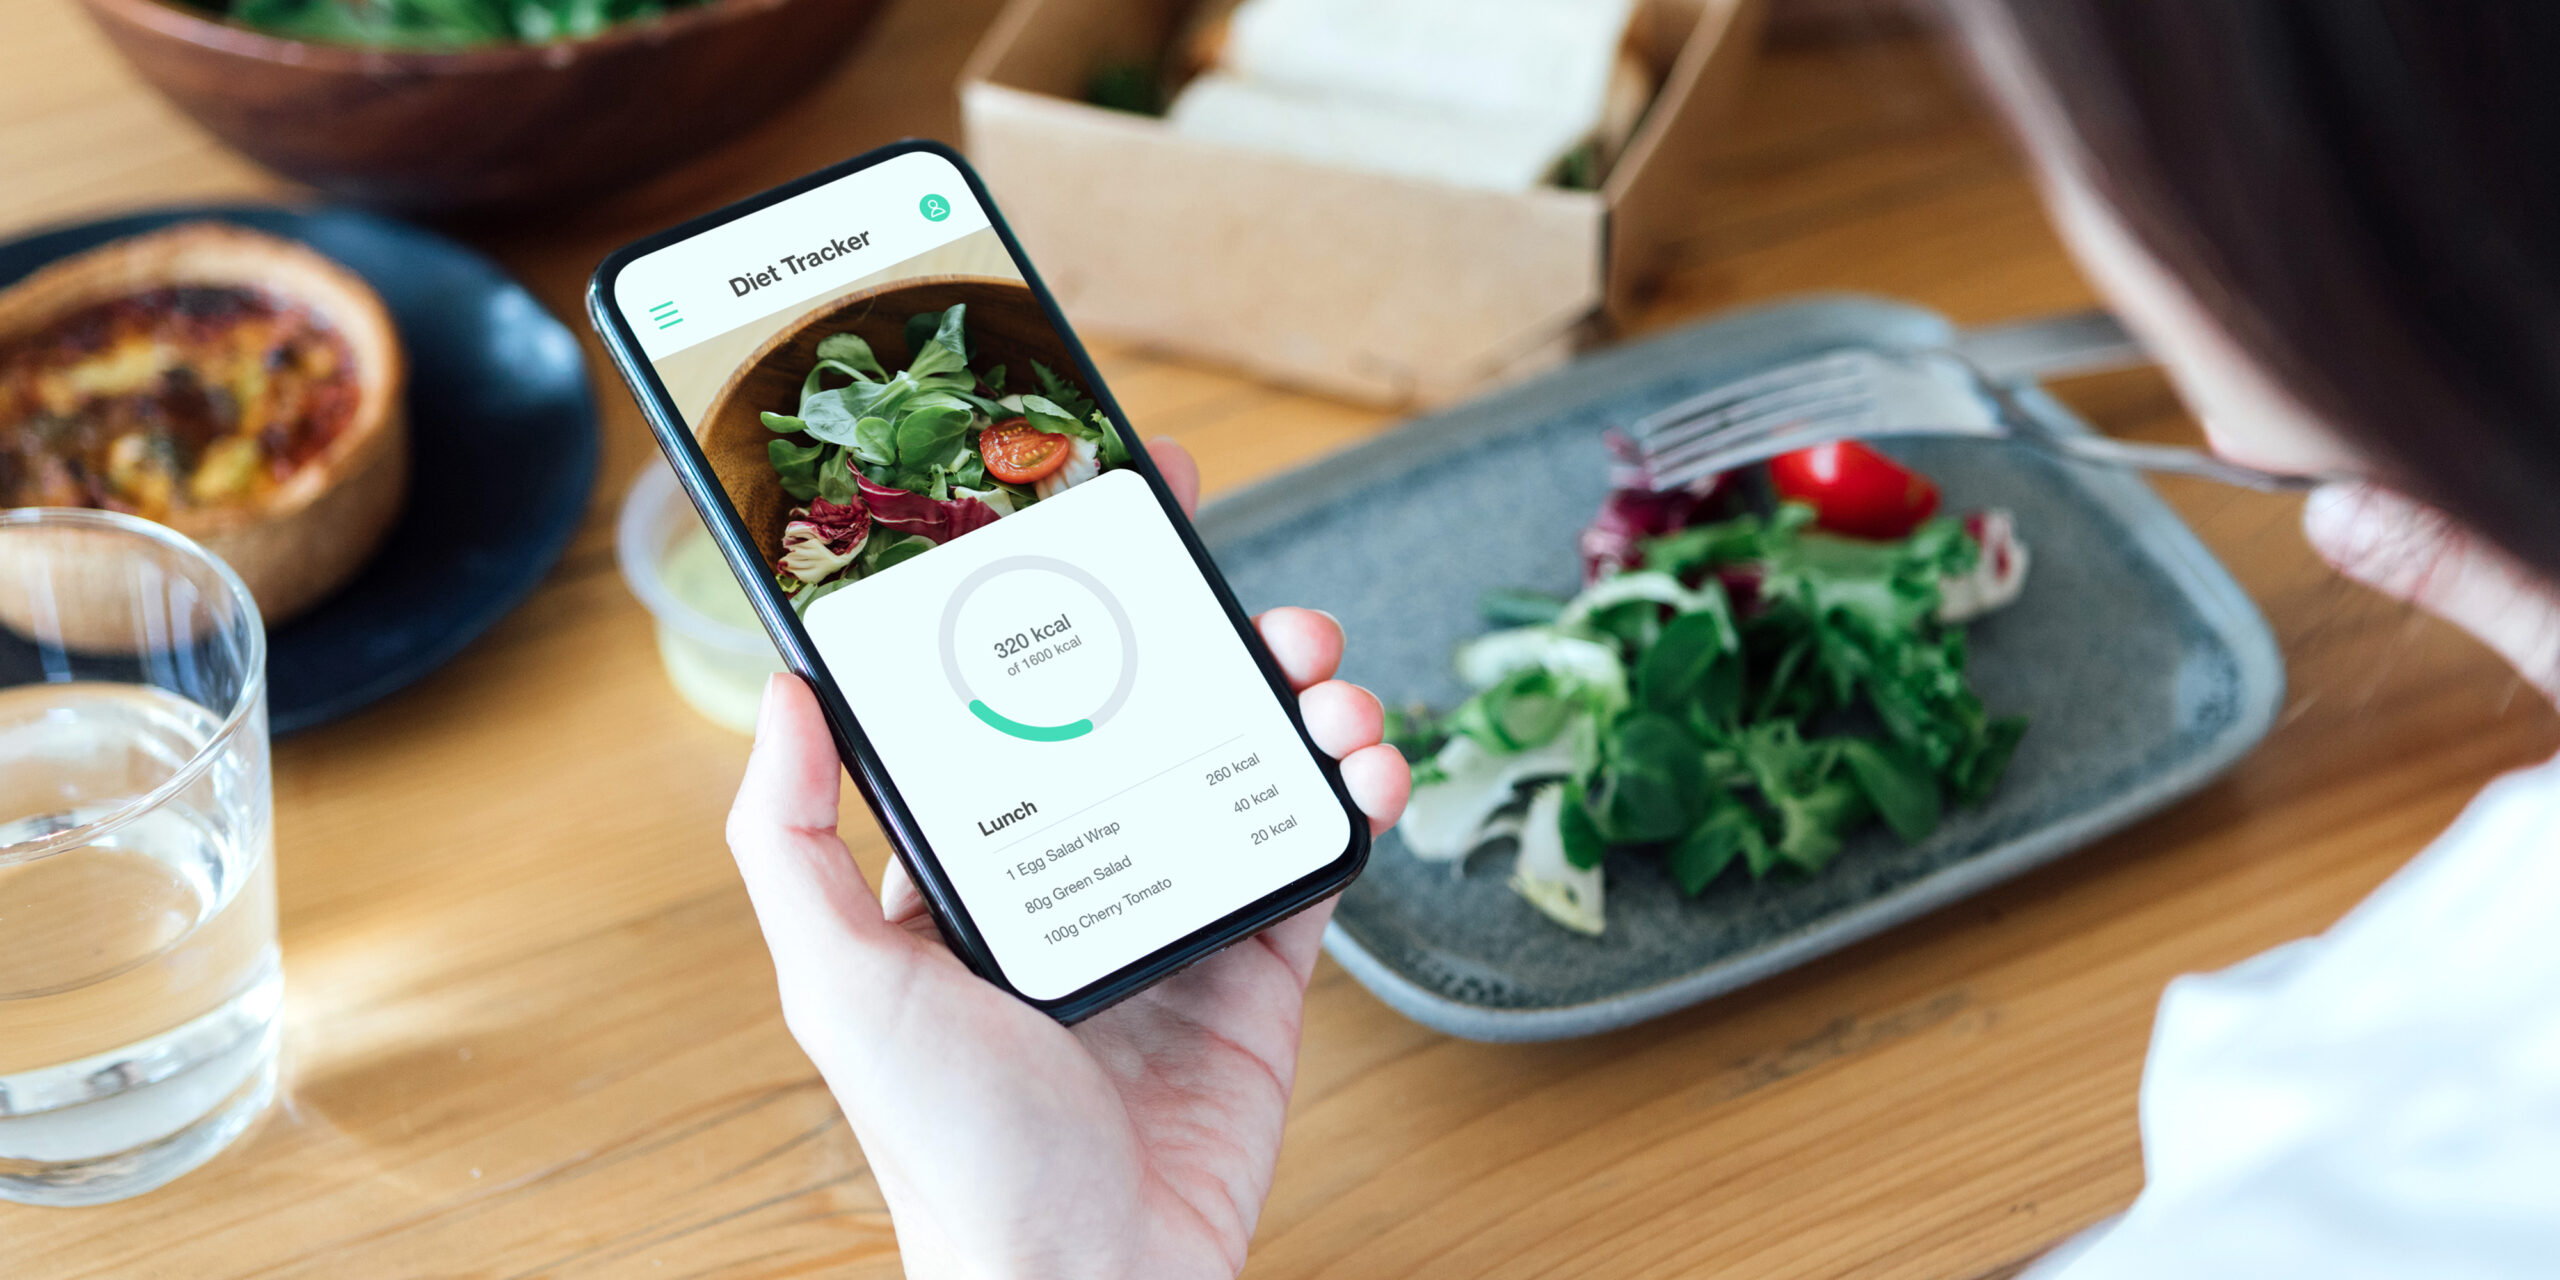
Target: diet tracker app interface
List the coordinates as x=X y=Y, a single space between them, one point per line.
x=1090 y=749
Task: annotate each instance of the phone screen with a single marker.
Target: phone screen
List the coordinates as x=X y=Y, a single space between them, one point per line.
x=1063 y=704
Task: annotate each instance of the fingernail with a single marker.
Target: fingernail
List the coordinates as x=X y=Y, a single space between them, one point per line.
x=2346 y=522
x=2329 y=507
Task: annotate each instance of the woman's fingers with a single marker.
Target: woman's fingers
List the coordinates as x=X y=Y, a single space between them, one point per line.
x=808 y=894
x=1306 y=642
x=1342 y=717
x=1379 y=781
x=2417 y=554
x=1180 y=471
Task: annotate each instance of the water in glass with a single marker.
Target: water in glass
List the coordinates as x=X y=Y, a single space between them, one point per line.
x=139 y=985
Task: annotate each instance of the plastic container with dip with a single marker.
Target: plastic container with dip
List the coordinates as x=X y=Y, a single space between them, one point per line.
x=715 y=651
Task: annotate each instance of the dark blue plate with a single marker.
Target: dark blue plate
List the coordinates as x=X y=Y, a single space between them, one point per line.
x=502 y=453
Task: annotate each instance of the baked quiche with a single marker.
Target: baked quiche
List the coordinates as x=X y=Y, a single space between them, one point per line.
x=239 y=388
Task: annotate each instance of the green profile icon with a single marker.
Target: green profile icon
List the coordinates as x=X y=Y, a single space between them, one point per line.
x=934 y=208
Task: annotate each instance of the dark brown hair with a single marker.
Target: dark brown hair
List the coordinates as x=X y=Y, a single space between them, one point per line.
x=2365 y=193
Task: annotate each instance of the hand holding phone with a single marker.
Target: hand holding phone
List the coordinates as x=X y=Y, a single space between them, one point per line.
x=1086 y=762
x=1139 y=1142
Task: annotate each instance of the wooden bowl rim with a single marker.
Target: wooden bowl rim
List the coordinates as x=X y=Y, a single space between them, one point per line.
x=782 y=337
x=188 y=25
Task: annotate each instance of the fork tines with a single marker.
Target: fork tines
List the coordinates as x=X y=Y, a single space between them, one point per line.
x=1675 y=441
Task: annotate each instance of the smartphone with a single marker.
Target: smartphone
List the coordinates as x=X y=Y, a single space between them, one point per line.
x=1069 y=730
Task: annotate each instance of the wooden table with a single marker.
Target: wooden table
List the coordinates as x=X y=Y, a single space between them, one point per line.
x=533 y=1032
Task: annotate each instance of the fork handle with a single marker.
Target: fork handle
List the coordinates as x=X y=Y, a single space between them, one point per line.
x=2091 y=341
x=2137 y=456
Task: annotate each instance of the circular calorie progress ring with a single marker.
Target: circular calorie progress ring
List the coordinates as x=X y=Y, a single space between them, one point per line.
x=990 y=716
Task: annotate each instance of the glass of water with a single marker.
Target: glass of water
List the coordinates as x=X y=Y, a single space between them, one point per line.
x=139 y=986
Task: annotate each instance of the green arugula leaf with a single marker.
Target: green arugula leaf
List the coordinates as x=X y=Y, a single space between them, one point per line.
x=1045 y=414
x=875 y=441
x=835 y=477
x=1583 y=844
x=1975 y=773
x=801 y=600
x=1059 y=391
x=1904 y=794
x=1779 y=683
x=783 y=423
x=797 y=464
x=1671 y=674
x=1514 y=607
x=1730 y=830
x=833 y=415
x=1115 y=446
x=946 y=348
x=1760 y=858
x=880 y=553
x=1689 y=552
x=1634 y=626
x=930 y=437
x=1525 y=708
x=1812 y=822
x=1650 y=780
x=1413 y=731
x=994 y=411
x=852 y=355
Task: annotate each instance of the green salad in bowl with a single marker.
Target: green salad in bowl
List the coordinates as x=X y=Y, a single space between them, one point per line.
x=888 y=464
x=442 y=24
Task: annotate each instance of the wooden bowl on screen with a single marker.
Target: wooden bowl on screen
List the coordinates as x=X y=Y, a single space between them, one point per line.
x=490 y=125
x=1005 y=324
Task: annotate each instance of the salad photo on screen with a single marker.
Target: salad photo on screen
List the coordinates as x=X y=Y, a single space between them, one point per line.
x=884 y=464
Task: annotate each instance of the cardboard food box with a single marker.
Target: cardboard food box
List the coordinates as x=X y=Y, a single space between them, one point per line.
x=1377 y=288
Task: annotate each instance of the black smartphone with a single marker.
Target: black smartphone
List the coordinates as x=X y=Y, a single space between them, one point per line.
x=1071 y=733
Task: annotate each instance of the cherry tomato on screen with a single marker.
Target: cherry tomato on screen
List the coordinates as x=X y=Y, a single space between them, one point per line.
x=1018 y=453
x=1855 y=490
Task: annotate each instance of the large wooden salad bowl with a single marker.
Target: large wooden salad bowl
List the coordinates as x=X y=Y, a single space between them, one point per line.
x=502 y=125
x=1006 y=327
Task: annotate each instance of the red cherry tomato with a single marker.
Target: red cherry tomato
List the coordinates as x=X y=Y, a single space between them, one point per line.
x=1855 y=490
x=1018 y=453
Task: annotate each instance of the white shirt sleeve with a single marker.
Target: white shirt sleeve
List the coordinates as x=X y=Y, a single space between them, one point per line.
x=2379 y=1101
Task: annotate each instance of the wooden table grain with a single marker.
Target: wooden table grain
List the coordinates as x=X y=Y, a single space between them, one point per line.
x=531 y=1030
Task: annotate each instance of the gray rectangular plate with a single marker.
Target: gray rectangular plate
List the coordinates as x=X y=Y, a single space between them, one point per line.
x=2143 y=669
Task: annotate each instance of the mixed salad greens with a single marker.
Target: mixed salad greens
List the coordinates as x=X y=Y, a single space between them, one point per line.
x=443 y=24
x=1731 y=687
x=890 y=465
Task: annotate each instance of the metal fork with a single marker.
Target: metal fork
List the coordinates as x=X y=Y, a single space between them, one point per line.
x=1858 y=393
